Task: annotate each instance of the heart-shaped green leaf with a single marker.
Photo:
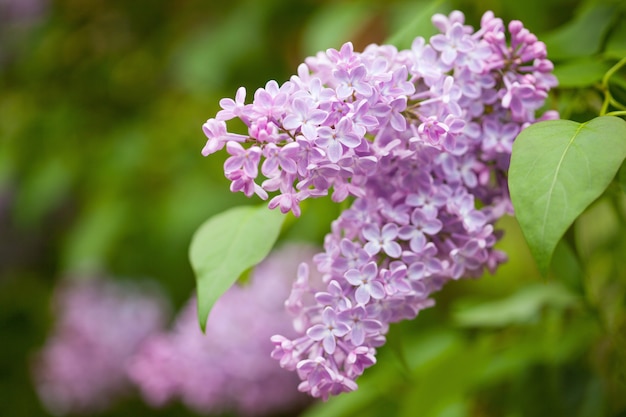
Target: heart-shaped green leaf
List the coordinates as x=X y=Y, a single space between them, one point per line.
x=227 y=245
x=558 y=168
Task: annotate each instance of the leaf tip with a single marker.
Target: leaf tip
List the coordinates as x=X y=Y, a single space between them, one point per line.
x=203 y=316
x=543 y=259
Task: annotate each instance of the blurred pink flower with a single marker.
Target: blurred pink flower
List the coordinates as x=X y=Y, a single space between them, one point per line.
x=229 y=368
x=98 y=326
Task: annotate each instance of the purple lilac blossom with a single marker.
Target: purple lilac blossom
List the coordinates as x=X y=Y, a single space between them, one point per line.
x=228 y=369
x=98 y=326
x=420 y=141
x=21 y=12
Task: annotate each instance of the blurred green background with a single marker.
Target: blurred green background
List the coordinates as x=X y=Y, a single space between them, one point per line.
x=101 y=107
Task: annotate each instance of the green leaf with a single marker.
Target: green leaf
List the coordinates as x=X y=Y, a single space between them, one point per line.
x=420 y=25
x=581 y=72
x=42 y=190
x=582 y=36
x=228 y=244
x=96 y=232
x=621 y=178
x=224 y=42
x=522 y=307
x=567 y=268
x=335 y=24
x=558 y=168
x=597 y=230
x=616 y=43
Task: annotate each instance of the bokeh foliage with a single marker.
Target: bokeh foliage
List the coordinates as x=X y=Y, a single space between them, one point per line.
x=101 y=104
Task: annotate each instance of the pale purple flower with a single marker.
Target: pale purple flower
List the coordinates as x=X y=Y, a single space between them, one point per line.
x=334 y=296
x=426 y=61
x=334 y=140
x=315 y=92
x=283 y=158
x=429 y=199
x=246 y=159
x=240 y=181
x=522 y=97
x=352 y=82
x=396 y=278
x=322 y=381
x=218 y=136
x=444 y=23
x=382 y=239
x=398 y=84
x=352 y=256
x=345 y=58
x=304 y=117
x=328 y=330
x=359 y=323
x=358 y=359
x=422 y=222
x=461 y=169
x=263 y=130
x=455 y=41
x=366 y=283
x=462 y=204
x=232 y=108
x=271 y=101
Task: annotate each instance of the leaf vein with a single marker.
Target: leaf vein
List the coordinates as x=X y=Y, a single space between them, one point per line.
x=554 y=179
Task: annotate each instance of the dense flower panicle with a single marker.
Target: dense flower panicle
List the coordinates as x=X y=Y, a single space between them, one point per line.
x=419 y=139
x=332 y=125
x=98 y=326
x=229 y=368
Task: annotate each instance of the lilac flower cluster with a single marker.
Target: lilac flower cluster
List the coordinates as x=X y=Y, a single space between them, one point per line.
x=346 y=114
x=98 y=326
x=420 y=139
x=229 y=368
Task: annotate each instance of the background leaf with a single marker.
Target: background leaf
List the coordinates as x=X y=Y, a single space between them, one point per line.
x=581 y=72
x=616 y=43
x=227 y=245
x=420 y=25
x=582 y=36
x=521 y=307
x=335 y=24
x=558 y=168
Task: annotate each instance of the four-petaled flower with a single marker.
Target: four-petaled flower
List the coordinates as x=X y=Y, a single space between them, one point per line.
x=382 y=239
x=359 y=324
x=333 y=140
x=330 y=329
x=366 y=283
x=305 y=117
